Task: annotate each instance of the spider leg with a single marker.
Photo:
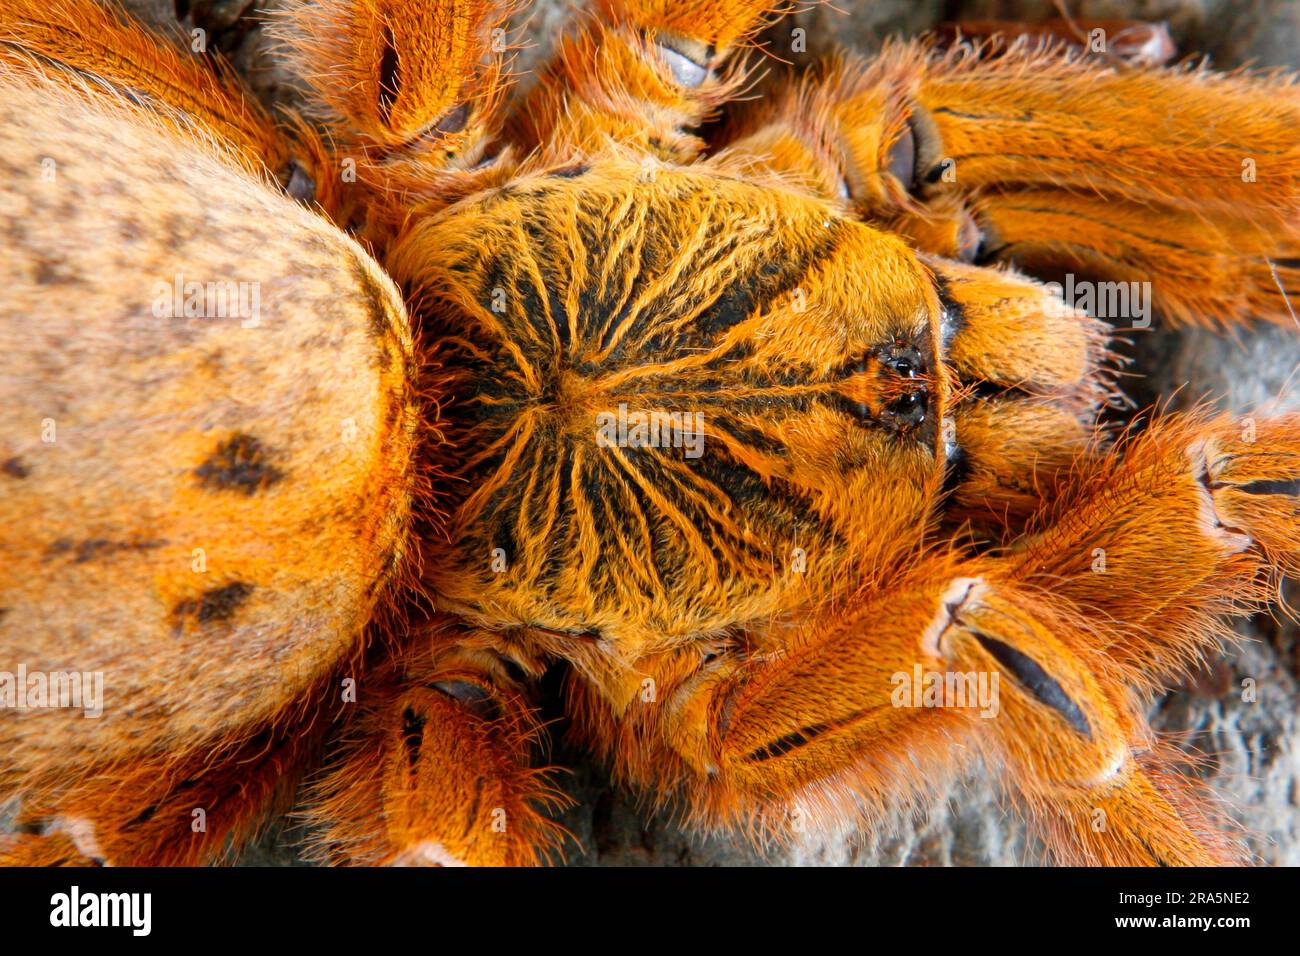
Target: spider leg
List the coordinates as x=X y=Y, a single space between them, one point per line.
x=184 y=809
x=1136 y=42
x=402 y=80
x=1190 y=519
x=867 y=708
x=1032 y=374
x=1185 y=522
x=864 y=709
x=640 y=73
x=436 y=770
x=408 y=96
x=98 y=48
x=1060 y=165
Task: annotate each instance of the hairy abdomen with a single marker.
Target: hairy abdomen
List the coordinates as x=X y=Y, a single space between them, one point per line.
x=206 y=424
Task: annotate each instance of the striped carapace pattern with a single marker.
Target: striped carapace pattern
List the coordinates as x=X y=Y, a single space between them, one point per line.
x=664 y=387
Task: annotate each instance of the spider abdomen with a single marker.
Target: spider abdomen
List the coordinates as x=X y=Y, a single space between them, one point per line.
x=207 y=430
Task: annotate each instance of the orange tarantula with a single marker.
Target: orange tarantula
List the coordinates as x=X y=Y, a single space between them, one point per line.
x=325 y=434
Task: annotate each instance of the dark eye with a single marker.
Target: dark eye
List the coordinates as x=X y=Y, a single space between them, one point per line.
x=909 y=410
x=901 y=161
x=904 y=360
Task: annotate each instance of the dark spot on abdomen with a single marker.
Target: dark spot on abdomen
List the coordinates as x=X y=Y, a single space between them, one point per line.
x=240 y=463
x=95 y=548
x=15 y=468
x=128 y=230
x=54 y=272
x=215 y=605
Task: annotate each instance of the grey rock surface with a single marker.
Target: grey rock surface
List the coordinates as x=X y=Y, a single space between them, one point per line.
x=1252 y=747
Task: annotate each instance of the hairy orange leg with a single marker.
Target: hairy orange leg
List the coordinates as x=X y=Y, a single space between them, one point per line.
x=185 y=809
x=1013 y=454
x=1135 y=42
x=867 y=708
x=99 y=47
x=1032 y=382
x=436 y=769
x=398 y=78
x=1129 y=170
x=409 y=95
x=1185 y=522
x=1199 y=268
x=1189 y=520
x=642 y=73
x=1058 y=164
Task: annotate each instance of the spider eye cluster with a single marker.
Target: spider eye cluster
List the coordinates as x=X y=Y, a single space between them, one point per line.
x=905 y=360
x=904 y=368
x=909 y=410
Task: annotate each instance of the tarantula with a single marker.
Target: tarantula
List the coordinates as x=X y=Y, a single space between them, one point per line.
x=326 y=434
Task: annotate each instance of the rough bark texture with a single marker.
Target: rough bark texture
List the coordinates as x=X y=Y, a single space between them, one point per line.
x=1251 y=746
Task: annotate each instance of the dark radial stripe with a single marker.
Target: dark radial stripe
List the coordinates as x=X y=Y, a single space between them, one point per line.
x=562 y=531
x=544 y=251
x=559 y=317
x=654 y=241
x=751 y=437
x=756 y=291
x=502 y=512
x=638 y=517
x=522 y=301
x=738 y=484
x=605 y=503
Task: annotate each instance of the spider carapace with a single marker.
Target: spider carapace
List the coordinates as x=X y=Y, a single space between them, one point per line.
x=327 y=434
